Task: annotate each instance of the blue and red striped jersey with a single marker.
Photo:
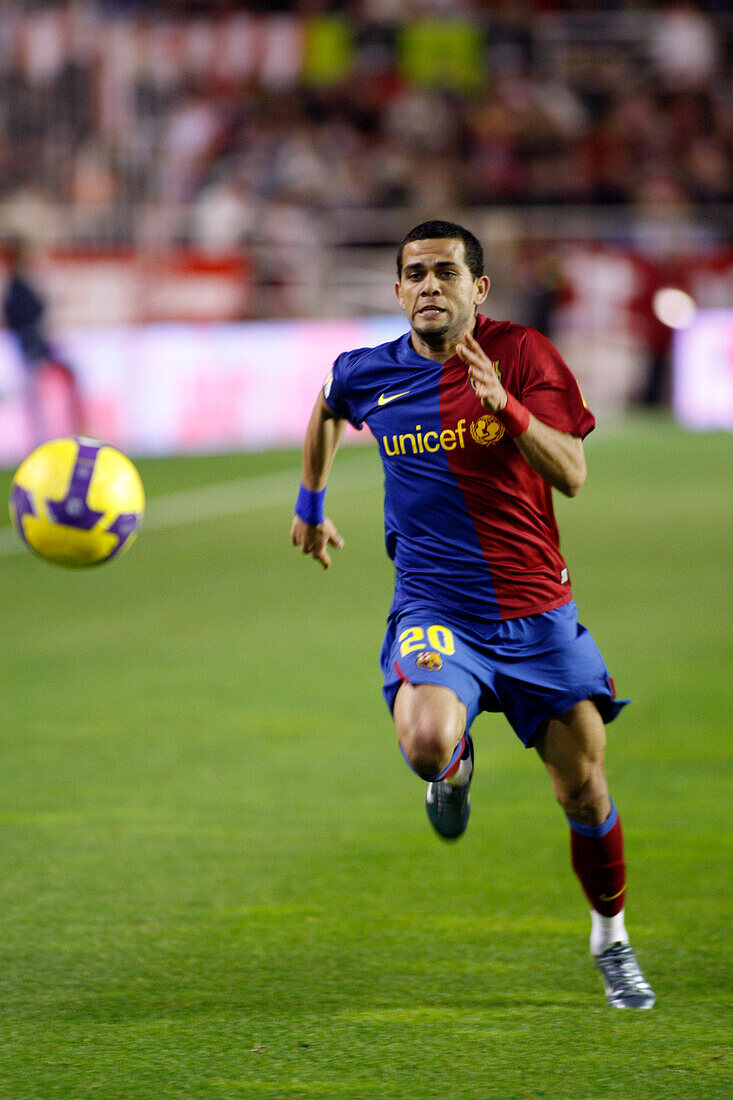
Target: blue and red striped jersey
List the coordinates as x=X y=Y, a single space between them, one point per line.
x=469 y=524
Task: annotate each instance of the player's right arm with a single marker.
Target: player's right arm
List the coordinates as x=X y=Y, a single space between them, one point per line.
x=310 y=531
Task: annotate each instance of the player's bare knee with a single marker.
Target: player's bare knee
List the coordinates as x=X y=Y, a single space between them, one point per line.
x=586 y=800
x=429 y=724
x=426 y=748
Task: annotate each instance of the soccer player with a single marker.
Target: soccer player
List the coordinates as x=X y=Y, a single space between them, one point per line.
x=24 y=313
x=477 y=421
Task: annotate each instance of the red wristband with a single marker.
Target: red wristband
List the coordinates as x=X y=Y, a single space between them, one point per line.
x=514 y=416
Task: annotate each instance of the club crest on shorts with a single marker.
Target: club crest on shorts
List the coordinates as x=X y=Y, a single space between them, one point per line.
x=429 y=660
x=486 y=430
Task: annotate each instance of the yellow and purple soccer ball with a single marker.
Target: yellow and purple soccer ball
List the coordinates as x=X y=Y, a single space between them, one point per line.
x=77 y=502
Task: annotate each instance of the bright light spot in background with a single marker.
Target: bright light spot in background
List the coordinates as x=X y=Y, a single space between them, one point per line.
x=674 y=307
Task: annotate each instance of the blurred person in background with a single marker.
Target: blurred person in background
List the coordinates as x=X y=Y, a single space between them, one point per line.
x=544 y=280
x=24 y=314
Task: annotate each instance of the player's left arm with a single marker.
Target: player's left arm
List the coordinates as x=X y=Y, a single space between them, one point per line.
x=322 y=438
x=557 y=456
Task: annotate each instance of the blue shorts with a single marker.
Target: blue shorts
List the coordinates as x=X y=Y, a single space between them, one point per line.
x=531 y=669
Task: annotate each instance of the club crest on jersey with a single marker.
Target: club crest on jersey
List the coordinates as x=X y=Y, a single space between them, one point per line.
x=495 y=365
x=429 y=660
x=486 y=430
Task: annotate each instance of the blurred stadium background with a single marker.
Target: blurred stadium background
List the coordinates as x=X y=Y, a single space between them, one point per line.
x=205 y=892
x=182 y=169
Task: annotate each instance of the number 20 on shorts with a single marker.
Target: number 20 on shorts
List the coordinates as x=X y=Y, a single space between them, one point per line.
x=435 y=637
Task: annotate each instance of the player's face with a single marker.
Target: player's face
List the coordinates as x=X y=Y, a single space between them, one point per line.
x=438 y=292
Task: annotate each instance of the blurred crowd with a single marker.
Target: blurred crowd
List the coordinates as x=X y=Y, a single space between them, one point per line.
x=126 y=121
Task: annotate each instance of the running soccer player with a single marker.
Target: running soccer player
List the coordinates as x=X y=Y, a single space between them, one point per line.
x=24 y=313
x=476 y=422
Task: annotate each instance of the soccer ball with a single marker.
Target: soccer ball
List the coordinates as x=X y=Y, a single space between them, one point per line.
x=77 y=501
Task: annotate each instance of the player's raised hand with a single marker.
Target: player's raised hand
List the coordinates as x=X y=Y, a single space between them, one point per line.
x=315 y=539
x=482 y=373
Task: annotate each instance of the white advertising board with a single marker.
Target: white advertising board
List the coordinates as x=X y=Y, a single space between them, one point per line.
x=702 y=371
x=185 y=388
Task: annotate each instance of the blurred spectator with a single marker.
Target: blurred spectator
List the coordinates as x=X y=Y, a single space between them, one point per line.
x=224 y=215
x=191 y=129
x=159 y=99
x=286 y=254
x=120 y=121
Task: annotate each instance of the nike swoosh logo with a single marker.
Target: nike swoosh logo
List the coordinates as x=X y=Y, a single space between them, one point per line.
x=611 y=897
x=384 y=400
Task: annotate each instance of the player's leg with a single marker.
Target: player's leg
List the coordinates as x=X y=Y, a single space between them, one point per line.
x=76 y=407
x=432 y=689
x=430 y=722
x=572 y=747
x=32 y=399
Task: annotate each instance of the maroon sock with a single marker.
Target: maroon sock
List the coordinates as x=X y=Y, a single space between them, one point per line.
x=597 y=853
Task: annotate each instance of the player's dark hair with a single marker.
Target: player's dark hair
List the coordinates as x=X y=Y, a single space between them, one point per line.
x=439 y=230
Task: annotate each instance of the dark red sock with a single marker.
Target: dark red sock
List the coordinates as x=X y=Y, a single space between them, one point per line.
x=597 y=853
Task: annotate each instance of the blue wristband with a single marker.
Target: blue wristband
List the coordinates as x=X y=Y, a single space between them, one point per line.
x=309 y=506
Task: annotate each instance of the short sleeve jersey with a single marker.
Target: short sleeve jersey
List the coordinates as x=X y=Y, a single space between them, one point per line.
x=469 y=524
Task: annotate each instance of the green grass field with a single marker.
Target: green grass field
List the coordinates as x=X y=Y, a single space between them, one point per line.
x=218 y=877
